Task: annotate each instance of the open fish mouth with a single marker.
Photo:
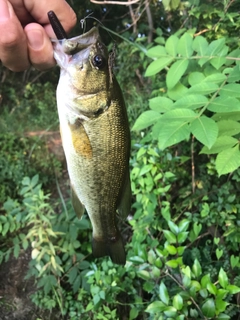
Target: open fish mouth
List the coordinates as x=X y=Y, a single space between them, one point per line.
x=75 y=44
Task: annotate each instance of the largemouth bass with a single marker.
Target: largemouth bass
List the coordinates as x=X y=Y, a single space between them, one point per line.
x=95 y=137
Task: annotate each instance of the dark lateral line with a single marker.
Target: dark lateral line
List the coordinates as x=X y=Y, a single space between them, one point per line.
x=56 y=25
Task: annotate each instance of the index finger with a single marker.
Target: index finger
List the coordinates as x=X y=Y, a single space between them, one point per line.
x=39 y=9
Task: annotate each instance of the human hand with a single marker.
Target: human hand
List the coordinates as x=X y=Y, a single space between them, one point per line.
x=25 y=31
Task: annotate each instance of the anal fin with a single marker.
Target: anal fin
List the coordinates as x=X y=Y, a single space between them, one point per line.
x=124 y=206
x=77 y=204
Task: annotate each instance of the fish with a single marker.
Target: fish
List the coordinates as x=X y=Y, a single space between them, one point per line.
x=95 y=137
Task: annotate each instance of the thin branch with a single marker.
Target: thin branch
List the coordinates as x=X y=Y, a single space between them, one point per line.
x=121 y=3
x=193 y=165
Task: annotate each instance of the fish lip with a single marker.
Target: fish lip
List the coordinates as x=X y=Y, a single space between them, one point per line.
x=76 y=44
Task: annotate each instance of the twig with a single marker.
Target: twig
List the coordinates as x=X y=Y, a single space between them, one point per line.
x=121 y=3
x=193 y=165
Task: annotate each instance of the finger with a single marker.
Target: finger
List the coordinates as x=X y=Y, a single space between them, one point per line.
x=40 y=50
x=39 y=9
x=13 y=42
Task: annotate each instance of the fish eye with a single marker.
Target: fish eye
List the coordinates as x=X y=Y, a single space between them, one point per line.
x=99 y=61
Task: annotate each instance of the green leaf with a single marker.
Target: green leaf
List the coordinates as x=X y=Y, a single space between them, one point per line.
x=171 y=45
x=171 y=249
x=219 y=253
x=205 y=130
x=234 y=74
x=191 y=101
x=173 y=227
x=228 y=127
x=171 y=133
x=178 y=91
x=216 y=46
x=234 y=261
x=155 y=307
x=133 y=313
x=233 y=289
x=231 y=90
x=221 y=305
x=171 y=238
x=209 y=308
x=157 y=65
x=156 y=52
x=179 y=115
x=146 y=119
x=76 y=284
x=223 y=316
x=221 y=59
x=195 y=77
x=184 y=47
x=205 y=280
x=182 y=236
x=178 y=302
x=228 y=160
x=215 y=78
x=200 y=45
x=196 y=268
x=175 y=72
x=222 y=143
x=172 y=263
x=223 y=278
x=197 y=228
x=186 y=281
x=160 y=104
x=163 y=293
x=212 y=288
x=203 y=88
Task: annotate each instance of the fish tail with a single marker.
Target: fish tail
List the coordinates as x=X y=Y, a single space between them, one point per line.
x=114 y=249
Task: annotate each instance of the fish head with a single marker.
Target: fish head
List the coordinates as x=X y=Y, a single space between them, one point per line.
x=84 y=60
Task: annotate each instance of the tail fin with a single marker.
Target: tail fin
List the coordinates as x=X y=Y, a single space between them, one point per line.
x=114 y=249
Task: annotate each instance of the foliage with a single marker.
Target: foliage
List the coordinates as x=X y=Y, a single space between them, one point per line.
x=202 y=97
x=20 y=156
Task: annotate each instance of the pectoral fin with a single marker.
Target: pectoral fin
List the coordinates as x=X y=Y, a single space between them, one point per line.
x=124 y=206
x=77 y=204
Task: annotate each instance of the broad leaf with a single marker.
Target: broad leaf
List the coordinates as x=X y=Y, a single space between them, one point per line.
x=175 y=72
x=177 y=92
x=200 y=45
x=146 y=119
x=228 y=127
x=179 y=115
x=219 y=61
x=171 y=45
x=204 y=88
x=209 y=308
x=171 y=133
x=224 y=104
x=156 y=307
x=184 y=47
x=205 y=130
x=156 y=52
x=222 y=143
x=163 y=293
x=216 y=46
x=228 y=160
x=157 y=65
x=231 y=90
x=191 y=101
x=195 y=78
x=160 y=104
x=216 y=78
x=223 y=278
